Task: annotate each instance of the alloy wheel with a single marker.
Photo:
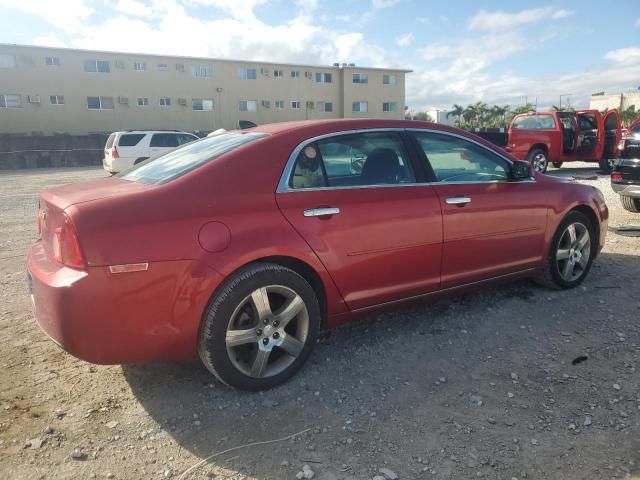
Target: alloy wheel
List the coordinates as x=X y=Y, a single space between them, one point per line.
x=574 y=250
x=267 y=331
x=540 y=162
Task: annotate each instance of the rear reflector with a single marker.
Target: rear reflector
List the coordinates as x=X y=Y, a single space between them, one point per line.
x=129 y=267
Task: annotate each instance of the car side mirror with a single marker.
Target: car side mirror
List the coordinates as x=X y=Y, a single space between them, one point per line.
x=520 y=170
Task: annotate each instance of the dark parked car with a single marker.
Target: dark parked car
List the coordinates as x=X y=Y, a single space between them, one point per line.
x=240 y=247
x=625 y=179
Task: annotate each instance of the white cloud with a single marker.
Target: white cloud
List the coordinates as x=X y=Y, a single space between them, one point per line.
x=67 y=17
x=500 y=20
x=132 y=7
x=629 y=55
x=380 y=4
x=404 y=40
x=50 y=40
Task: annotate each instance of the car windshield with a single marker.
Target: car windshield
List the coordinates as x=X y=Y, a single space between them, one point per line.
x=169 y=166
x=534 y=122
x=636 y=129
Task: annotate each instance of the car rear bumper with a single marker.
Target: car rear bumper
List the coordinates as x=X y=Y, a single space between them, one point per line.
x=123 y=318
x=627 y=189
x=115 y=165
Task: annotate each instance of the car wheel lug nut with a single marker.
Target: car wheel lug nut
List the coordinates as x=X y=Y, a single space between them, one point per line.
x=276 y=323
x=276 y=335
x=259 y=332
x=265 y=341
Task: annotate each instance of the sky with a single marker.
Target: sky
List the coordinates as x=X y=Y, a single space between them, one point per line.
x=460 y=51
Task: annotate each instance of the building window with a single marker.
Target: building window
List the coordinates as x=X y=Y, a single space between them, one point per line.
x=202 y=71
x=278 y=74
x=56 y=99
x=360 y=107
x=165 y=102
x=247 y=73
x=100 y=103
x=162 y=67
x=279 y=104
x=202 y=104
x=326 y=107
x=295 y=74
x=139 y=66
x=389 y=107
x=143 y=101
x=248 y=105
x=360 y=78
x=388 y=79
x=52 y=61
x=97 y=66
x=10 y=100
x=323 y=77
x=7 y=61
x=295 y=104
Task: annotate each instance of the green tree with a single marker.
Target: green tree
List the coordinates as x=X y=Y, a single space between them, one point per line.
x=628 y=115
x=456 y=111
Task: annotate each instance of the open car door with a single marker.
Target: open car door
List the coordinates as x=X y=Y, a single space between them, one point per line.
x=612 y=134
x=590 y=135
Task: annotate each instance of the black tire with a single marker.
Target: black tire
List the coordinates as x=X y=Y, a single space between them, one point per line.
x=538 y=159
x=557 y=164
x=219 y=315
x=551 y=276
x=630 y=203
x=606 y=165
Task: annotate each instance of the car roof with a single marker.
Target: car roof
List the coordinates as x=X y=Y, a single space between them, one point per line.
x=320 y=127
x=151 y=131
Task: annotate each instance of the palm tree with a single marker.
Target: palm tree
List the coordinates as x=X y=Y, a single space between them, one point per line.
x=456 y=111
x=628 y=115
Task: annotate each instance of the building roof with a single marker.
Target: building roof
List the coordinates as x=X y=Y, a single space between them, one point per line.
x=210 y=59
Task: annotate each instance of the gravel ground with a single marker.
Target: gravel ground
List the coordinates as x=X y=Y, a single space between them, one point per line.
x=480 y=386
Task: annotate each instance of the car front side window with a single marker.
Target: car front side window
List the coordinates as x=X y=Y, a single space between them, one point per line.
x=353 y=160
x=454 y=159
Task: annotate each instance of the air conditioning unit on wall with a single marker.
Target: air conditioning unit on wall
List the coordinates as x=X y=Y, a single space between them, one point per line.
x=308 y=75
x=266 y=103
x=264 y=71
x=119 y=64
x=33 y=98
x=310 y=104
x=182 y=101
x=123 y=100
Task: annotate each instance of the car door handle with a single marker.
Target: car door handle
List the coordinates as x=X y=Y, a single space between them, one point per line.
x=321 y=212
x=459 y=201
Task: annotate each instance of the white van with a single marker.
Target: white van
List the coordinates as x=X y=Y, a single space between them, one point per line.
x=124 y=149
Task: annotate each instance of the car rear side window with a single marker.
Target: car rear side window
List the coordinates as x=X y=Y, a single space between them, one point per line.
x=454 y=159
x=353 y=160
x=534 y=122
x=164 y=140
x=180 y=161
x=130 y=139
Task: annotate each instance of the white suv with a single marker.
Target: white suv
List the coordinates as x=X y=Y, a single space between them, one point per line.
x=125 y=149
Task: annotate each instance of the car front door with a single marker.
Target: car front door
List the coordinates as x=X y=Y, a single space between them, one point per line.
x=355 y=200
x=492 y=226
x=612 y=134
x=162 y=142
x=590 y=135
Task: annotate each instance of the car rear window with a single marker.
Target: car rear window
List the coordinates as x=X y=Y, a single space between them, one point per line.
x=167 y=167
x=110 y=140
x=130 y=139
x=534 y=122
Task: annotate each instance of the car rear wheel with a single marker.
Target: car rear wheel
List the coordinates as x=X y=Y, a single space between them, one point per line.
x=557 y=164
x=260 y=327
x=606 y=164
x=630 y=203
x=538 y=160
x=573 y=248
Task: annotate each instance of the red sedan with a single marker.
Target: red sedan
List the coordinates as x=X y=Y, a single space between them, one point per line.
x=240 y=247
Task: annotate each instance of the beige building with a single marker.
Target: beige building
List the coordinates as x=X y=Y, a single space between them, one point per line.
x=621 y=101
x=59 y=90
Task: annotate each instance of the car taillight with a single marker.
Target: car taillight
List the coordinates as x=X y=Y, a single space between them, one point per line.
x=616 y=176
x=114 y=153
x=66 y=247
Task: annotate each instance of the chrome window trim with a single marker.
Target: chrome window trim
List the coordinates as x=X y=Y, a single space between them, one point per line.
x=283 y=184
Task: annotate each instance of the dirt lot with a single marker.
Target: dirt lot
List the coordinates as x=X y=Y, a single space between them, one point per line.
x=481 y=386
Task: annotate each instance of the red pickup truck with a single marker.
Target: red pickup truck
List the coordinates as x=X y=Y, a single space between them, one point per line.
x=558 y=137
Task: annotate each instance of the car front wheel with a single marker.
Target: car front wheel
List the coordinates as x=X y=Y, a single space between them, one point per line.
x=573 y=248
x=260 y=327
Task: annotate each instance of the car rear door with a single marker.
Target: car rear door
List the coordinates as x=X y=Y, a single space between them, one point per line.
x=354 y=198
x=612 y=134
x=491 y=226
x=590 y=135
